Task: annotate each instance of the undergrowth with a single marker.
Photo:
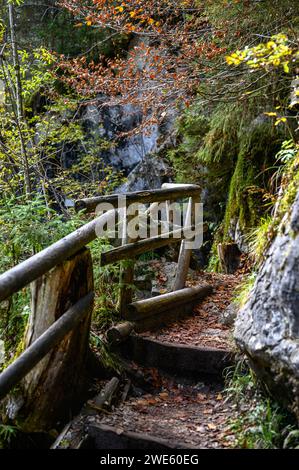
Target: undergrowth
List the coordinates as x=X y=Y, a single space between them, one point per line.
x=27 y=226
x=261 y=423
x=243 y=290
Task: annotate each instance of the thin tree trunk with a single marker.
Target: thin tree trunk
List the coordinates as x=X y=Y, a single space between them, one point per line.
x=19 y=100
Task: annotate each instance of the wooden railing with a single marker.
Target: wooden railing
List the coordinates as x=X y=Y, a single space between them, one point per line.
x=62 y=289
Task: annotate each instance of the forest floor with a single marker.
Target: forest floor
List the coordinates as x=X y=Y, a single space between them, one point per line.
x=195 y=415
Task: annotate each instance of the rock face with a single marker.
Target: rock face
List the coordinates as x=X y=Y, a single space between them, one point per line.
x=135 y=155
x=150 y=173
x=110 y=121
x=267 y=328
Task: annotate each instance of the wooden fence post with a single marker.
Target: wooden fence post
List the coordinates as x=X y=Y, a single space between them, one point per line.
x=126 y=273
x=55 y=385
x=184 y=254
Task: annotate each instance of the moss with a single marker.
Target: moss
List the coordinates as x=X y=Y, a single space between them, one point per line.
x=290 y=186
x=251 y=177
x=259 y=239
x=220 y=143
x=234 y=151
x=243 y=291
x=191 y=129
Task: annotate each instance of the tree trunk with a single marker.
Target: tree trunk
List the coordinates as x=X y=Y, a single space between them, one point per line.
x=55 y=385
x=229 y=257
x=19 y=98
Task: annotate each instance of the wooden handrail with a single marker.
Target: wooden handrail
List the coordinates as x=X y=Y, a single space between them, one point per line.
x=32 y=268
x=142 y=246
x=36 y=266
x=12 y=375
x=142 y=197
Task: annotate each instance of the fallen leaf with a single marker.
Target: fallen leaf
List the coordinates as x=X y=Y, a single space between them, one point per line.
x=212 y=426
x=201 y=396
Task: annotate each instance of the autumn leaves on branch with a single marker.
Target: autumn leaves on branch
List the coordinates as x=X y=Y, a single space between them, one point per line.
x=173 y=46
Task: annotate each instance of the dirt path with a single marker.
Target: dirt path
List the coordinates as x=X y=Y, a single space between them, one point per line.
x=206 y=327
x=194 y=413
x=162 y=408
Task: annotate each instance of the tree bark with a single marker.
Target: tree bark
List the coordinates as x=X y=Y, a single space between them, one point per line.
x=56 y=384
x=119 y=332
x=19 y=98
x=170 y=301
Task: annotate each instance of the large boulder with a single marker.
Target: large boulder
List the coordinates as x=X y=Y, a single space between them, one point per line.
x=267 y=328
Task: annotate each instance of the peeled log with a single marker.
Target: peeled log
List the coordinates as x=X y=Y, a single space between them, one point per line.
x=57 y=382
x=152 y=307
x=119 y=332
x=143 y=197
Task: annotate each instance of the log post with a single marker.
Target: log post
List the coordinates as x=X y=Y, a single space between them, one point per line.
x=126 y=281
x=185 y=254
x=126 y=273
x=55 y=385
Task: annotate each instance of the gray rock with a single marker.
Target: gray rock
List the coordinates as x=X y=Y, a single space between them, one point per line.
x=108 y=122
x=238 y=236
x=267 y=328
x=150 y=173
x=229 y=315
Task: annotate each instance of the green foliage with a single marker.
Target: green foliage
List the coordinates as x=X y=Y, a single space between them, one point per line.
x=7 y=432
x=259 y=238
x=192 y=127
x=220 y=143
x=106 y=285
x=106 y=357
x=49 y=129
x=55 y=31
x=289 y=179
x=208 y=151
x=27 y=226
x=249 y=186
x=261 y=422
x=288 y=152
x=243 y=291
